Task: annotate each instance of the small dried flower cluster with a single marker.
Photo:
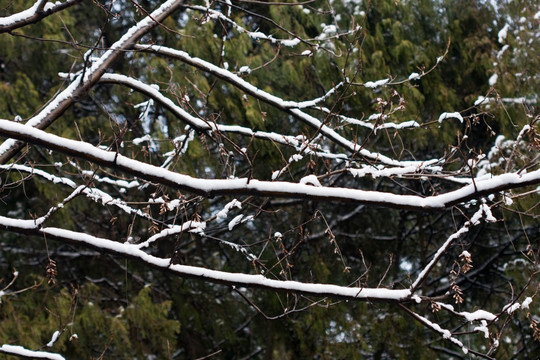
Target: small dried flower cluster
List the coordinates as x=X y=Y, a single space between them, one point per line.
x=51 y=272
x=457 y=293
x=466 y=261
x=454 y=274
x=535 y=326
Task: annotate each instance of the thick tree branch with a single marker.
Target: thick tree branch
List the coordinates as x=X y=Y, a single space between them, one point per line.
x=244 y=186
x=133 y=251
x=90 y=76
x=34 y=14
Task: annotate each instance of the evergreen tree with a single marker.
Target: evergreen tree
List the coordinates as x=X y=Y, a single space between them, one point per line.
x=385 y=148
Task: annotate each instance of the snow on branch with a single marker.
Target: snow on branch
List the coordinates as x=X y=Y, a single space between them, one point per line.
x=134 y=251
x=330 y=156
x=31 y=354
x=445 y=333
x=477 y=315
x=201 y=125
x=38 y=11
x=89 y=76
x=482 y=100
x=447 y=115
x=291 y=107
x=93 y=193
x=191 y=226
x=475 y=220
x=193 y=121
x=328 y=31
x=223 y=74
x=410 y=124
x=213 y=187
x=256 y=35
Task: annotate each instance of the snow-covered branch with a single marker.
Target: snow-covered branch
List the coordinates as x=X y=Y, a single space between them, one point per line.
x=213 y=187
x=202 y=125
x=135 y=252
x=93 y=193
x=38 y=11
x=444 y=333
x=291 y=107
x=22 y=352
x=89 y=76
x=269 y=145
x=475 y=220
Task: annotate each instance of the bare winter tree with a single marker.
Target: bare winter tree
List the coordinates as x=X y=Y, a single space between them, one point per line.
x=197 y=151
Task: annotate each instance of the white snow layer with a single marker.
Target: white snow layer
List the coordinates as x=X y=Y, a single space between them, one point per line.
x=21 y=351
x=135 y=251
x=503 y=33
x=447 y=115
x=287 y=189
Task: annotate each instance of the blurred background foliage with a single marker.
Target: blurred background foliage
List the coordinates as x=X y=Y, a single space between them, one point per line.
x=121 y=310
